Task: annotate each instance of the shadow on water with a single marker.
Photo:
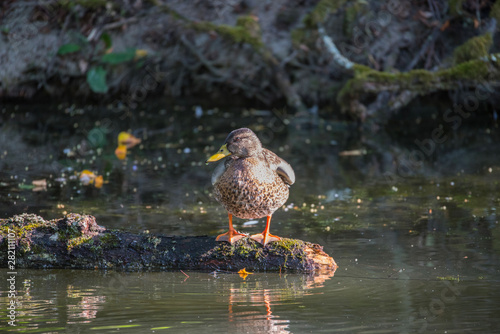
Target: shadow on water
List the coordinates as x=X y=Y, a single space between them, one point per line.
x=417 y=252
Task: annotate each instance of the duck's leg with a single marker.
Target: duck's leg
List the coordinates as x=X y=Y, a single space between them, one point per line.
x=265 y=236
x=232 y=235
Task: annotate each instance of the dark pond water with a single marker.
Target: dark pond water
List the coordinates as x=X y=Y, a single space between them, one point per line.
x=415 y=254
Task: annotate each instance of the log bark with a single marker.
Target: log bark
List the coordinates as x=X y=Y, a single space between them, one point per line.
x=76 y=241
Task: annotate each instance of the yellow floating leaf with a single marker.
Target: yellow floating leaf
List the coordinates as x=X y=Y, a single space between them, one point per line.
x=87 y=177
x=140 y=53
x=125 y=138
x=98 y=182
x=243 y=273
x=121 y=152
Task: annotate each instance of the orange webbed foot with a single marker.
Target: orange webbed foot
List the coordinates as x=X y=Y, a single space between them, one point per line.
x=265 y=239
x=231 y=236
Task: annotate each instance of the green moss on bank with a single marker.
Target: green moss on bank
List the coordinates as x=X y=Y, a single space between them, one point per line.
x=318 y=15
x=166 y=9
x=321 y=12
x=91 y=4
x=353 y=11
x=455 y=7
x=247 y=30
x=495 y=11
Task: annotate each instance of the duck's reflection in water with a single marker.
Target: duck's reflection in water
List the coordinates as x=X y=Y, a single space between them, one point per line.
x=80 y=301
x=251 y=302
x=261 y=320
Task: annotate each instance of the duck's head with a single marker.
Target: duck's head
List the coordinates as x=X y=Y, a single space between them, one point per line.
x=241 y=143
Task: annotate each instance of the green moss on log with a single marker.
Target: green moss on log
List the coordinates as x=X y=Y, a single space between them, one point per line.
x=473 y=70
x=367 y=80
x=76 y=241
x=247 y=252
x=474 y=48
x=22 y=225
x=109 y=240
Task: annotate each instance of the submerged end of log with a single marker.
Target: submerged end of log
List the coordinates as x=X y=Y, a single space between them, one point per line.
x=78 y=242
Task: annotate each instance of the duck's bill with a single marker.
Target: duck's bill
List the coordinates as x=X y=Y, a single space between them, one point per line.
x=222 y=153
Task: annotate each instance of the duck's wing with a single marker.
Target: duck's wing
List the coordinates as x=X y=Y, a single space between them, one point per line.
x=286 y=172
x=281 y=167
x=218 y=171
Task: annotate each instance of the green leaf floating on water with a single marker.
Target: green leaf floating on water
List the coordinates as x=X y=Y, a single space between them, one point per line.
x=114 y=327
x=118 y=57
x=68 y=48
x=96 y=78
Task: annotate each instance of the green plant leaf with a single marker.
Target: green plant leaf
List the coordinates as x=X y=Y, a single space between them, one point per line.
x=96 y=78
x=77 y=36
x=97 y=137
x=118 y=57
x=68 y=48
x=107 y=40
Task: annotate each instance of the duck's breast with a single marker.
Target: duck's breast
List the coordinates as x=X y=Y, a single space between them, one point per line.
x=250 y=189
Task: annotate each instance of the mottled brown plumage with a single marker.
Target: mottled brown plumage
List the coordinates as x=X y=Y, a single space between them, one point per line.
x=251 y=183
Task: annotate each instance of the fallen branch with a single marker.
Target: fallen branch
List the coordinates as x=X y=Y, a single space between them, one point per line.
x=367 y=82
x=334 y=51
x=76 y=241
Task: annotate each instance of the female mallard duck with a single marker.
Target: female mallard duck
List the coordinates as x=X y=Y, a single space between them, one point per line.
x=252 y=183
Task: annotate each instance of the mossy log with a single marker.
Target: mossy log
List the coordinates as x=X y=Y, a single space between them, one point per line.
x=404 y=86
x=76 y=241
